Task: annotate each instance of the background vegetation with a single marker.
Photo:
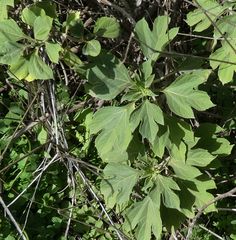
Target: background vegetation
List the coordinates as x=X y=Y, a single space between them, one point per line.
x=117 y=119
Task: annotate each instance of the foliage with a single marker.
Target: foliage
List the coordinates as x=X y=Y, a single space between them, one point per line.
x=97 y=144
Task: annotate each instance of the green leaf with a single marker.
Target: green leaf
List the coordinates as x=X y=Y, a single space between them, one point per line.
x=52 y=50
x=42 y=27
x=114 y=131
x=39 y=69
x=10 y=52
x=201 y=194
x=118 y=183
x=225 y=53
x=42 y=136
x=144 y=217
x=154 y=41
x=182 y=95
x=29 y=14
x=179 y=164
x=107 y=27
x=199 y=157
x=74 y=24
x=166 y=185
x=199 y=18
x=149 y=115
x=160 y=141
x=19 y=69
x=92 y=48
x=10 y=31
x=224 y=26
x=3 y=8
x=74 y=62
x=108 y=78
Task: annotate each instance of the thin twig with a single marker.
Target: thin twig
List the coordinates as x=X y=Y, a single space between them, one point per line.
x=6 y=209
x=211 y=232
x=202 y=209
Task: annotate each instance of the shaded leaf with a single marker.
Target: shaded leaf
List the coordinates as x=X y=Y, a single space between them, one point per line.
x=108 y=77
x=92 y=48
x=107 y=27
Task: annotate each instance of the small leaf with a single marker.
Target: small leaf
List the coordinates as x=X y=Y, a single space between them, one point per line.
x=118 y=183
x=52 y=50
x=227 y=54
x=92 y=48
x=29 y=14
x=3 y=8
x=42 y=136
x=39 y=69
x=42 y=27
x=149 y=115
x=10 y=31
x=160 y=141
x=107 y=27
x=74 y=24
x=182 y=95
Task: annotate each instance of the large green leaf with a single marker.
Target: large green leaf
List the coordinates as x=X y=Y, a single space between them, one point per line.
x=39 y=69
x=10 y=31
x=42 y=27
x=108 y=77
x=3 y=8
x=107 y=27
x=149 y=115
x=118 y=183
x=10 y=52
x=145 y=217
x=154 y=41
x=19 y=68
x=198 y=17
x=182 y=95
x=114 y=131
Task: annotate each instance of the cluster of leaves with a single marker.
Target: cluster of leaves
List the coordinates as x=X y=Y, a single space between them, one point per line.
x=140 y=160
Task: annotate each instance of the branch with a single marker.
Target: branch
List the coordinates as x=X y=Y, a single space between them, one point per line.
x=6 y=209
x=202 y=209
